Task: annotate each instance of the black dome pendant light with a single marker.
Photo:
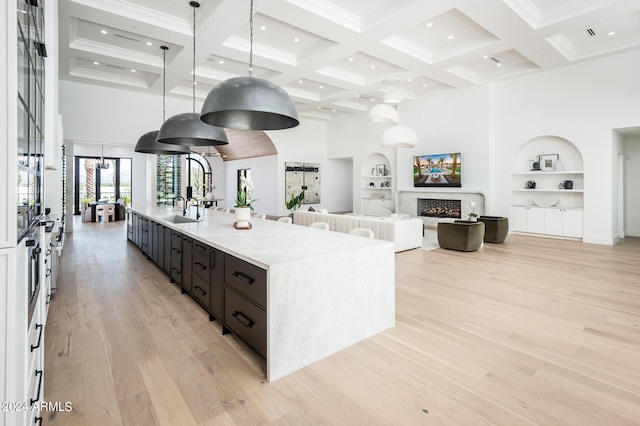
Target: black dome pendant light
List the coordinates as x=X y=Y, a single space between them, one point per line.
x=249 y=103
x=187 y=128
x=148 y=143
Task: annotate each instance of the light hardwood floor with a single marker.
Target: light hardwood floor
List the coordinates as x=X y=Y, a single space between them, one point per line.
x=532 y=331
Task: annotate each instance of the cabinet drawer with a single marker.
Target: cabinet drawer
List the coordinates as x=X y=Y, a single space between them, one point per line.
x=201 y=264
x=247 y=279
x=246 y=320
x=201 y=291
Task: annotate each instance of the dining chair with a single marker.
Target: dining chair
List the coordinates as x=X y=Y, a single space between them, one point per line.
x=320 y=225
x=111 y=213
x=285 y=219
x=260 y=216
x=363 y=232
x=100 y=212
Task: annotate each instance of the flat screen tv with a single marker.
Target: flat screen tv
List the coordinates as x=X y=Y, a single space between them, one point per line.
x=437 y=170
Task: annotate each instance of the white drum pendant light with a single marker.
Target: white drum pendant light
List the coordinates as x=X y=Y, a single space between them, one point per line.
x=147 y=143
x=187 y=128
x=249 y=103
x=399 y=137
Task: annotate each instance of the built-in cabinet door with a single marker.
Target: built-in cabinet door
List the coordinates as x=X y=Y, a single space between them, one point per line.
x=166 y=249
x=553 y=221
x=217 y=282
x=528 y=219
x=572 y=222
x=186 y=263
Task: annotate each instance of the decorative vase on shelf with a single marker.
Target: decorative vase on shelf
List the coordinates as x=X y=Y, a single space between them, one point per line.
x=243 y=217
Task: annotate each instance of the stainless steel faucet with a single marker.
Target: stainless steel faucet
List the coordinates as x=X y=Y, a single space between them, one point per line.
x=184 y=204
x=197 y=207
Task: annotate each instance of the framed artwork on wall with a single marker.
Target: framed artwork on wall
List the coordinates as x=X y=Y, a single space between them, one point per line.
x=547 y=162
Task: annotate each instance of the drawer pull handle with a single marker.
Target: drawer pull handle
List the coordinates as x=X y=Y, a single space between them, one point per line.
x=242 y=277
x=176 y=250
x=201 y=247
x=175 y=271
x=200 y=290
x=242 y=318
x=38 y=326
x=33 y=401
x=48 y=272
x=201 y=265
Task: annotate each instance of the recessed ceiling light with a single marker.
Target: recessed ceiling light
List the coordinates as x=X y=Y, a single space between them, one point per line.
x=450 y=37
x=96 y=63
x=424 y=85
x=133 y=70
x=498 y=65
x=322 y=87
x=300 y=81
x=611 y=33
x=350 y=59
x=103 y=32
x=296 y=39
x=149 y=43
x=485 y=57
x=319 y=107
x=195 y=83
x=373 y=67
x=221 y=61
x=410 y=80
x=429 y=24
x=263 y=28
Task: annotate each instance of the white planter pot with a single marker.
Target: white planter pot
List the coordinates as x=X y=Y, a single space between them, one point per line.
x=243 y=217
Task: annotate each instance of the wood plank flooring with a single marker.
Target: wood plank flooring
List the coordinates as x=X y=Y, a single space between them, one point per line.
x=534 y=331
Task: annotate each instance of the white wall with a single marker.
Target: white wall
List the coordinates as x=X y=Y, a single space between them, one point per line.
x=582 y=103
x=356 y=138
x=307 y=143
x=264 y=172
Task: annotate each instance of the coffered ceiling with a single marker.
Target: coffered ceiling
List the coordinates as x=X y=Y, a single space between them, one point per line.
x=336 y=57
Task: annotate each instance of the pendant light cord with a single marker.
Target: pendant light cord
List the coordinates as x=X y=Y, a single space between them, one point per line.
x=164 y=80
x=193 y=85
x=251 y=40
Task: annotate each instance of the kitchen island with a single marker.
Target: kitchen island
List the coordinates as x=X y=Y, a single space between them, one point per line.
x=295 y=294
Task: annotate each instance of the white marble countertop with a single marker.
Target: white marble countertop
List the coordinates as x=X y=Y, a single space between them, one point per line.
x=268 y=242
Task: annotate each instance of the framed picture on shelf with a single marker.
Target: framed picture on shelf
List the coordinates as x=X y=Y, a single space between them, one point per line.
x=547 y=162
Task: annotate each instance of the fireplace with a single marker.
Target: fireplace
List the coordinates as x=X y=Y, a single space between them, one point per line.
x=430 y=207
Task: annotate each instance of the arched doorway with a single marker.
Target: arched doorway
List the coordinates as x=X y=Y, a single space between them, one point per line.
x=198 y=175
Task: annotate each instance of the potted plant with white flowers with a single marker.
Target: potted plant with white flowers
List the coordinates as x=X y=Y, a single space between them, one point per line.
x=243 y=207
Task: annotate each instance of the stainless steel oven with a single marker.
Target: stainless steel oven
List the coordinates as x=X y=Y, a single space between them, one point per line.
x=34 y=257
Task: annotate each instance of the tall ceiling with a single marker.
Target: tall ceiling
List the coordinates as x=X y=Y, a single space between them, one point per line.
x=336 y=57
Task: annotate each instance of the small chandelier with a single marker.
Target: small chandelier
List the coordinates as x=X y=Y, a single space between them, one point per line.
x=249 y=103
x=102 y=163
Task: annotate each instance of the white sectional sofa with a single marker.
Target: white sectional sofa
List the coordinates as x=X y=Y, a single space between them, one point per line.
x=405 y=233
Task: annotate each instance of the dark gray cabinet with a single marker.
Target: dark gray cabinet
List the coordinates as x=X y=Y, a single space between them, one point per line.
x=166 y=249
x=176 y=258
x=245 y=298
x=186 y=264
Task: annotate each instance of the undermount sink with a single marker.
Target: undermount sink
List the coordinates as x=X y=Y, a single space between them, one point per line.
x=176 y=218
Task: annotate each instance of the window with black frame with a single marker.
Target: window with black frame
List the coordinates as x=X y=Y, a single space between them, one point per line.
x=93 y=183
